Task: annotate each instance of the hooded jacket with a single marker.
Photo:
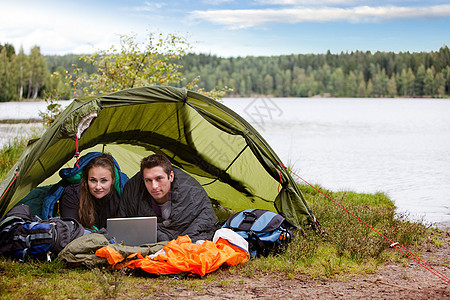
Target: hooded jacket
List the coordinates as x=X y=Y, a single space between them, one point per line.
x=105 y=207
x=73 y=175
x=192 y=213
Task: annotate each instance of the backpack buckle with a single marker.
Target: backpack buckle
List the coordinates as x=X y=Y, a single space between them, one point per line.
x=250 y=217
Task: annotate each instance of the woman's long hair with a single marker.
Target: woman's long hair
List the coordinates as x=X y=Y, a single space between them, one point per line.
x=86 y=209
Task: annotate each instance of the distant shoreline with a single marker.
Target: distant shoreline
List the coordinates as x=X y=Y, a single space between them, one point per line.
x=20 y=121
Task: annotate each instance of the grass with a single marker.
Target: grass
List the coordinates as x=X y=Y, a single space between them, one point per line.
x=348 y=247
x=9 y=155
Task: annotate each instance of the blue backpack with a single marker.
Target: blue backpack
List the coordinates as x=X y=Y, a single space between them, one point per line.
x=22 y=236
x=266 y=232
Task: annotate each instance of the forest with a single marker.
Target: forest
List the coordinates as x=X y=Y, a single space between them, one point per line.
x=355 y=74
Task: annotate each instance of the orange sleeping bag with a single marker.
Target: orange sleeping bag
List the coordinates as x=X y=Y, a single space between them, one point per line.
x=181 y=255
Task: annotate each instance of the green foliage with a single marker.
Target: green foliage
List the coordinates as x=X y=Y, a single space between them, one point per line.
x=152 y=62
x=349 y=246
x=351 y=237
x=53 y=110
x=355 y=74
x=38 y=74
x=134 y=64
x=215 y=93
x=164 y=60
x=22 y=76
x=7 y=74
x=60 y=86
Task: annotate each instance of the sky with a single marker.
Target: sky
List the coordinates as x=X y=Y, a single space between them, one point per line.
x=229 y=28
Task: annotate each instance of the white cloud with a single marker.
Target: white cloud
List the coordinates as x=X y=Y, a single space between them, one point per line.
x=55 y=32
x=257 y=17
x=149 y=7
x=70 y=27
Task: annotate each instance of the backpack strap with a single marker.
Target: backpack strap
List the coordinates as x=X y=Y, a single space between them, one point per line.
x=255 y=244
x=5 y=224
x=248 y=221
x=43 y=236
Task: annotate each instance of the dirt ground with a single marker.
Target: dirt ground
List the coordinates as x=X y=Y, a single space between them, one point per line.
x=393 y=281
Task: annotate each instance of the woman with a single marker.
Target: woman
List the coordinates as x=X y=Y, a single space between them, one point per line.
x=95 y=199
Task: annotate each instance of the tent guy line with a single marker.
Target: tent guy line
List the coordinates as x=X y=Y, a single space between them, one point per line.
x=393 y=244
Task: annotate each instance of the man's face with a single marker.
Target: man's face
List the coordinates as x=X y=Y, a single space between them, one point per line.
x=158 y=183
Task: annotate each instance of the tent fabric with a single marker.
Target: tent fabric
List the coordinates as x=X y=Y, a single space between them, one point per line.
x=235 y=165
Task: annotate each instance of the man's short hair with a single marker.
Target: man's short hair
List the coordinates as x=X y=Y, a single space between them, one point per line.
x=156 y=160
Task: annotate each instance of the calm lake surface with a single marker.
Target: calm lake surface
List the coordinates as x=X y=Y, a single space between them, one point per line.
x=397 y=146
x=22 y=111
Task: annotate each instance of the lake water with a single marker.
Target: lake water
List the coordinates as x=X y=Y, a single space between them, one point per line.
x=397 y=146
x=22 y=111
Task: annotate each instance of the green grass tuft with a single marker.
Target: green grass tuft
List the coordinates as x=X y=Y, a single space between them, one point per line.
x=10 y=154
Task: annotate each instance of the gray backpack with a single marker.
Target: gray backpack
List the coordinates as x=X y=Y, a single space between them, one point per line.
x=22 y=236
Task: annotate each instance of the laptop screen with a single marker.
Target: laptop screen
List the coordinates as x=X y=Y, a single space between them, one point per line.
x=133 y=231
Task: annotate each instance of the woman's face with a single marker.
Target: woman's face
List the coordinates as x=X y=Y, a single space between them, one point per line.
x=99 y=181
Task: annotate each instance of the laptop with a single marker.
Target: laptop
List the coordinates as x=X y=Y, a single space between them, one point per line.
x=133 y=231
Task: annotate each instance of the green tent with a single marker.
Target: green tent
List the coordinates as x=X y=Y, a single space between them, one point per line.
x=235 y=165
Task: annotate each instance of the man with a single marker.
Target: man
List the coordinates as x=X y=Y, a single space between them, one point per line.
x=177 y=199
